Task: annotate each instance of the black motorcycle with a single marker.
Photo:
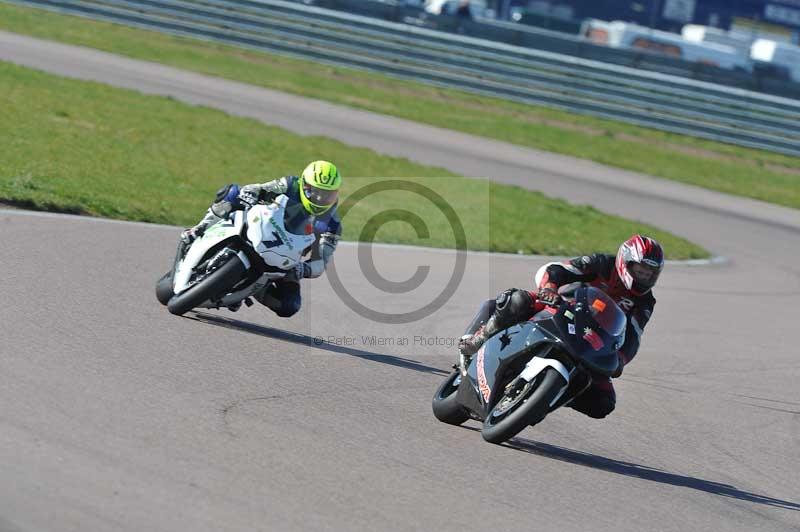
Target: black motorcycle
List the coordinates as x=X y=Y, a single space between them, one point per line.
x=526 y=371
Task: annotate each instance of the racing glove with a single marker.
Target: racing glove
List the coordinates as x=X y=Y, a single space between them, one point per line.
x=548 y=295
x=249 y=195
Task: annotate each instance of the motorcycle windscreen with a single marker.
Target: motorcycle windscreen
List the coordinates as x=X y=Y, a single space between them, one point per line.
x=596 y=329
x=605 y=312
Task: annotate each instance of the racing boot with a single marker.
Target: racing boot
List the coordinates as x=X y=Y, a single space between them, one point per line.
x=469 y=344
x=188 y=236
x=193 y=233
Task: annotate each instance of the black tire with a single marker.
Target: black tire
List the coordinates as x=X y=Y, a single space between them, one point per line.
x=164 y=288
x=445 y=407
x=223 y=278
x=527 y=411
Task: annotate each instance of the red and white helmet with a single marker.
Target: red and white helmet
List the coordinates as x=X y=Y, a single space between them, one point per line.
x=639 y=262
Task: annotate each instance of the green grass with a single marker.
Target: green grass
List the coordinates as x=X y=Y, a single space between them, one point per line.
x=89 y=148
x=752 y=173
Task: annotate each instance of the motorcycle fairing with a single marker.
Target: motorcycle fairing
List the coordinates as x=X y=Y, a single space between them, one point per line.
x=501 y=350
x=605 y=360
x=537 y=337
x=267 y=233
x=235 y=297
x=220 y=231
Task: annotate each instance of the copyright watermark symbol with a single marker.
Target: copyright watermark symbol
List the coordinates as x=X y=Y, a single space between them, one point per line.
x=407 y=211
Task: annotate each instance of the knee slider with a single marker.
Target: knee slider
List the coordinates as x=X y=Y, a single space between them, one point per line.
x=601 y=409
x=289 y=306
x=287 y=311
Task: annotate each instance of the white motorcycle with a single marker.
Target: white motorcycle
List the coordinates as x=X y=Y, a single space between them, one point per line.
x=234 y=259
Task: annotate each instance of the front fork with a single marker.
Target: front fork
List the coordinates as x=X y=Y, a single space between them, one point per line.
x=180 y=252
x=579 y=382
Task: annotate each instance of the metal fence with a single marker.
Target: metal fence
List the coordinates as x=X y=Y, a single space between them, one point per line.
x=763 y=78
x=521 y=74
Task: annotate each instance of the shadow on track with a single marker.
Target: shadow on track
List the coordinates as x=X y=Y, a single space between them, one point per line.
x=315 y=343
x=647 y=473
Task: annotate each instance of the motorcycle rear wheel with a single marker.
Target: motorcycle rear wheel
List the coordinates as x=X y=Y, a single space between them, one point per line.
x=445 y=406
x=529 y=409
x=219 y=280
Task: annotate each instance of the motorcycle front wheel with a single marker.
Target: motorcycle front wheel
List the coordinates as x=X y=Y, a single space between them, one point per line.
x=217 y=281
x=164 y=288
x=524 y=404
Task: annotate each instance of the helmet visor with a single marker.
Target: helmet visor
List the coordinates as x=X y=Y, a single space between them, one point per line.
x=319 y=196
x=645 y=275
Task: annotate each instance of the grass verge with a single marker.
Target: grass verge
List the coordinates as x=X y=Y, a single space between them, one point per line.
x=89 y=148
x=752 y=173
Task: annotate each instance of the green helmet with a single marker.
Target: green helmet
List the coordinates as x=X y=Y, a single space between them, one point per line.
x=319 y=187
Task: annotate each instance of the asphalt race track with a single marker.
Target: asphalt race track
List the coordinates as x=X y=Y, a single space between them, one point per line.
x=118 y=416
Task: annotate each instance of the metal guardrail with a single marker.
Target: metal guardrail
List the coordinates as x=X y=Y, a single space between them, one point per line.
x=761 y=79
x=650 y=99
